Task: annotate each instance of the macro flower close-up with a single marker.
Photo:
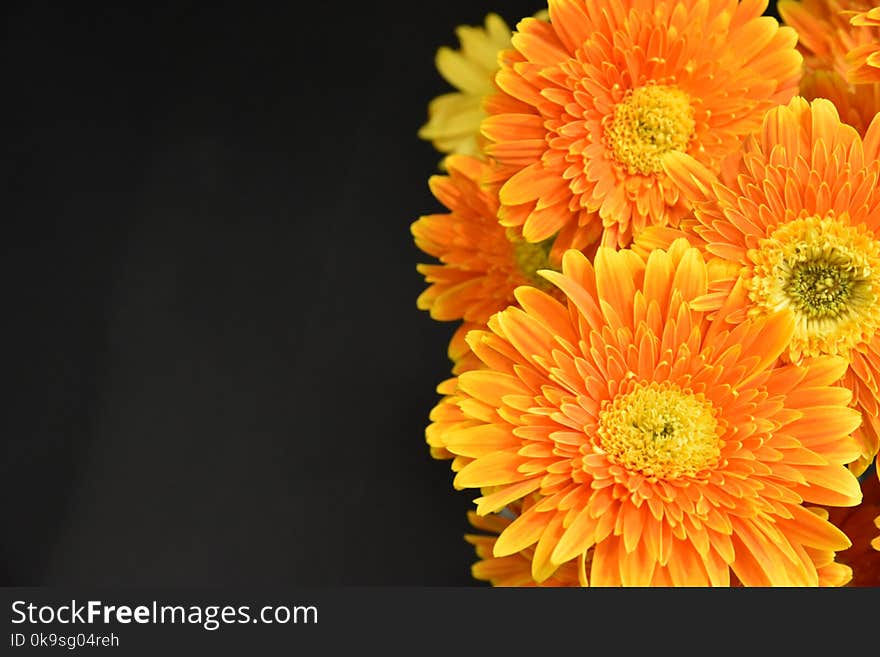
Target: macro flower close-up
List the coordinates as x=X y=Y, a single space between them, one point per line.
x=803 y=220
x=590 y=101
x=664 y=258
x=679 y=450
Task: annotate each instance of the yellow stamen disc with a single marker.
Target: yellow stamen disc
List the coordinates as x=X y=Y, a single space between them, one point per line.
x=649 y=122
x=661 y=431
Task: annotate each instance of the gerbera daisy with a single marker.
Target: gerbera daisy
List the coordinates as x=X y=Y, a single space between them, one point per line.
x=515 y=569
x=864 y=59
x=826 y=37
x=802 y=219
x=481 y=261
x=590 y=102
x=454 y=118
x=674 y=447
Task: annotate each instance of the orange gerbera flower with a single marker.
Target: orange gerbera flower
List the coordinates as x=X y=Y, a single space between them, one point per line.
x=590 y=101
x=802 y=218
x=515 y=569
x=481 y=261
x=826 y=39
x=672 y=446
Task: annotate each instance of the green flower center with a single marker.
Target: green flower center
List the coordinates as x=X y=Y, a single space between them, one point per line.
x=821 y=289
x=827 y=272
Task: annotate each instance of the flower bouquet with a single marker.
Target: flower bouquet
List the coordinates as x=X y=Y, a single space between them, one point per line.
x=661 y=239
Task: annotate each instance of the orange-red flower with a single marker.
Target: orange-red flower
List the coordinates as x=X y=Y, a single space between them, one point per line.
x=590 y=101
x=481 y=262
x=803 y=220
x=674 y=447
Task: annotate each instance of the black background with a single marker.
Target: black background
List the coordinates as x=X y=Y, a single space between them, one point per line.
x=216 y=372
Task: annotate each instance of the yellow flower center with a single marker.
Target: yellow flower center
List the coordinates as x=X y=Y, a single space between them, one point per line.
x=660 y=431
x=828 y=273
x=648 y=123
x=530 y=257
